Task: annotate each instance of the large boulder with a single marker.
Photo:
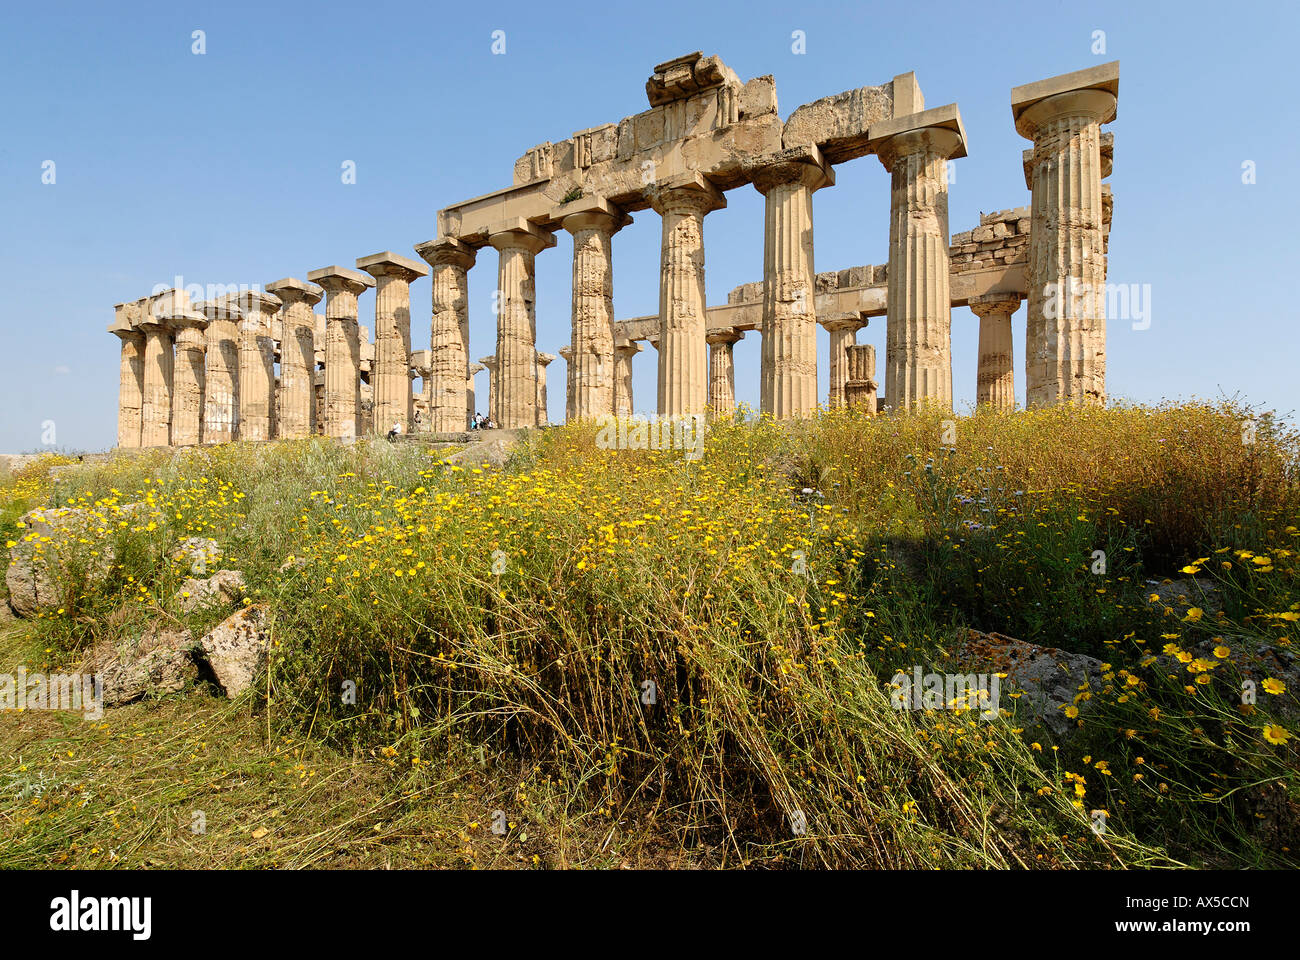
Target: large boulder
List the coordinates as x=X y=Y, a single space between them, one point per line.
x=1049 y=679
x=236 y=648
x=223 y=588
x=157 y=662
x=492 y=450
x=48 y=548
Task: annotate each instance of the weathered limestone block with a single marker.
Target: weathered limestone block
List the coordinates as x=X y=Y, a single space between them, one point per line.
x=1065 y=344
x=50 y=561
x=843 y=329
x=236 y=648
x=159 y=369
x=342 y=348
x=788 y=370
x=518 y=243
x=223 y=588
x=130 y=396
x=593 y=223
x=840 y=125
x=448 y=380
x=758 y=97
x=683 y=364
x=995 y=380
x=722 y=372
x=391 y=374
x=158 y=662
x=860 y=387
x=296 y=406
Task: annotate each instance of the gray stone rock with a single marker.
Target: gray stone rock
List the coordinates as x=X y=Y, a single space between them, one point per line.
x=1049 y=679
x=35 y=573
x=200 y=552
x=223 y=588
x=158 y=662
x=236 y=648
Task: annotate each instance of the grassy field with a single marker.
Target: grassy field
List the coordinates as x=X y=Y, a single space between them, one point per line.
x=607 y=658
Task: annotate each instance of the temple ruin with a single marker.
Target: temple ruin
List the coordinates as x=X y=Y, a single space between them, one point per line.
x=260 y=363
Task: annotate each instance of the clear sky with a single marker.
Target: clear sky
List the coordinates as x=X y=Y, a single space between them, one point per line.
x=225 y=167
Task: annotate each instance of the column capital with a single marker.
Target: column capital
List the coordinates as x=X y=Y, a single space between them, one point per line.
x=992 y=304
x=219 y=309
x=544 y=359
x=842 y=321
x=566 y=353
x=476 y=368
x=293 y=290
x=177 y=321
x=687 y=192
x=337 y=279
x=126 y=320
x=256 y=302
x=727 y=335
x=389 y=264
x=591 y=213
x=420 y=362
x=938 y=130
x=802 y=165
x=449 y=250
x=631 y=347
x=489 y=362
x=517 y=233
x=1093 y=93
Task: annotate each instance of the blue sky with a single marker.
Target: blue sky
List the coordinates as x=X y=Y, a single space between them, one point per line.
x=225 y=167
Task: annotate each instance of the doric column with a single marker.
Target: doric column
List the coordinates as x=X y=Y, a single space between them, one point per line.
x=788 y=369
x=567 y=353
x=682 y=202
x=995 y=382
x=515 y=397
x=451 y=260
x=130 y=391
x=918 y=336
x=543 y=361
x=490 y=365
x=843 y=329
x=342 y=348
x=391 y=375
x=1065 y=329
x=623 y=354
x=593 y=223
x=256 y=363
x=860 y=388
x=722 y=371
x=189 y=376
x=470 y=393
x=221 y=392
x=159 y=365
x=296 y=412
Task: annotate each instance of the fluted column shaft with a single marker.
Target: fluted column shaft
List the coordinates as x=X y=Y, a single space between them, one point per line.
x=567 y=353
x=1065 y=342
x=257 y=366
x=159 y=368
x=296 y=412
x=471 y=396
x=490 y=364
x=543 y=413
x=130 y=394
x=722 y=373
x=995 y=383
x=221 y=391
x=860 y=388
x=918 y=350
x=188 y=384
x=592 y=367
x=515 y=392
x=683 y=363
x=390 y=376
x=623 y=354
x=843 y=334
x=788 y=366
x=342 y=349
x=447 y=383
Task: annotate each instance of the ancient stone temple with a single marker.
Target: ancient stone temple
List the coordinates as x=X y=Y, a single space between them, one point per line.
x=259 y=365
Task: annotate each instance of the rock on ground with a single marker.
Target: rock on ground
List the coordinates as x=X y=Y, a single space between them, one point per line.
x=199 y=551
x=159 y=661
x=223 y=588
x=1049 y=678
x=236 y=648
x=493 y=450
x=33 y=575
x=1179 y=596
